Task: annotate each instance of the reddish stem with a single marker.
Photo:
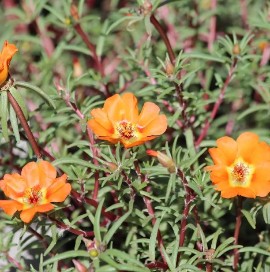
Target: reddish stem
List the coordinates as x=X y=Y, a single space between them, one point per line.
x=150 y=209
x=90 y=46
x=237 y=231
x=213 y=24
x=178 y=87
x=25 y=125
x=244 y=13
x=213 y=114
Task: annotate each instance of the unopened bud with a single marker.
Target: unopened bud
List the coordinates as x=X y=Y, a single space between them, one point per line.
x=236 y=49
x=145 y=8
x=77 y=68
x=164 y=160
x=74 y=12
x=94 y=247
x=169 y=68
x=209 y=254
x=79 y=266
x=262 y=45
x=112 y=166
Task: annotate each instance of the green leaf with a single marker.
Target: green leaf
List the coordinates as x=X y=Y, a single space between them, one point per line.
x=36 y=90
x=254 y=250
x=97 y=220
x=153 y=240
x=4 y=115
x=18 y=97
x=266 y=213
x=249 y=218
x=117 y=224
x=14 y=123
x=68 y=254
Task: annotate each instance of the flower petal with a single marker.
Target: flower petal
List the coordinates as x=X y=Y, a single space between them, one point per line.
x=247 y=143
x=115 y=108
x=131 y=107
x=149 y=112
x=99 y=129
x=10 y=206
x=13 y=185
x=101 y=117
x=157 y=126
x=59 y=190
x=30 y=173
x=27 y=215
x=228 y=147
x=47 y=173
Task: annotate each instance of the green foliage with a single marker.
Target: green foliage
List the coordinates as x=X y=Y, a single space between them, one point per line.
x=143 y=218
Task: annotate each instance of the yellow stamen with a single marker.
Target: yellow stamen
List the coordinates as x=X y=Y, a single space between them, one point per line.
x=240 y=173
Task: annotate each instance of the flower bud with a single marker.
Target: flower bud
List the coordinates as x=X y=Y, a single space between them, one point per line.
x=79 y=266
x=94 y=247
x=169 y=68
x=112 y=166
x=164 y=160
x=236 y=49
x=74 y=12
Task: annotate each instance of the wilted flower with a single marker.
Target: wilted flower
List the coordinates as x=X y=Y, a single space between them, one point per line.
x=6 y=55
x=241 y=167
x=119 y=121
x=33 y=190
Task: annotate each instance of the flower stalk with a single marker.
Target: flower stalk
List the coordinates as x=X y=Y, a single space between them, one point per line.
x=25 y=125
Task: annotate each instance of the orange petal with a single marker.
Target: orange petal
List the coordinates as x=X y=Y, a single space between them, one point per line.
x=246 y=192
x=8 y=51
x=10 y=206
x=13 y=185
x=30 y=173
x=98 y=129
x=218 y=156
x=229 y=193
x=27 y=215
x=115 y=108
x=131 y=107
x=157 y=126
x=61 y=194
x=261 y=153
x=59 y=190
x=228 y=147
x=101 y=117
x=5 y=57
x=149 y=112
x=247 y=143
x=47 y=173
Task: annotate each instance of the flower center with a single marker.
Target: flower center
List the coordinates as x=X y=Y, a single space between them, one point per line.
x=240 y=173
x=33 y=196
x=126 y=130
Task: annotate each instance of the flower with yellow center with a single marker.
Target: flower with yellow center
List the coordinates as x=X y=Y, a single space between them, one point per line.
x=241 y=167
x=33 y=190
x=120 y=121
x=6 y=55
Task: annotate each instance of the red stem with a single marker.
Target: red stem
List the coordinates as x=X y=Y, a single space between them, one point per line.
x=178 y=87
x=25 y=125
x=213 y=114
x=213 y=23
x=237 y=231
x=91 y=47
x=151 y=211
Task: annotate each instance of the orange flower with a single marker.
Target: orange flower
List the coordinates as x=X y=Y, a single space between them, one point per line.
x=241 y=167
x=33 y=190
x=6 y=55
x=119 y=121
